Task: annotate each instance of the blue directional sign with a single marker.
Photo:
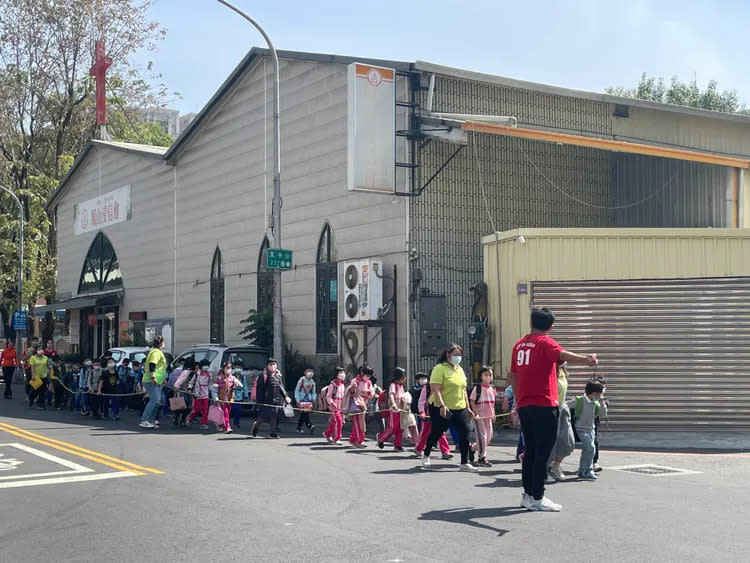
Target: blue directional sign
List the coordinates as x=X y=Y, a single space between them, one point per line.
x=19 y=320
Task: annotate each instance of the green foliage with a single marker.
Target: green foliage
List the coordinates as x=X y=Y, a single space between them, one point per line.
x=682 y=94
x=47 y=114
x=258 y=328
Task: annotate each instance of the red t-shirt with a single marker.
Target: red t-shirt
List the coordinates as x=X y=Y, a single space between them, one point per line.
x=534 y=361
x=8 y=357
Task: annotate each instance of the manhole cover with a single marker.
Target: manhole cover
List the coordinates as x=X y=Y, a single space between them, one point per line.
x=654 y=470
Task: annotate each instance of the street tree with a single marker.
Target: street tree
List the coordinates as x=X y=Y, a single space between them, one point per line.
x=47 y=112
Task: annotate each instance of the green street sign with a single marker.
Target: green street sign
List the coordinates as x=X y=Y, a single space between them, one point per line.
x=278 y=259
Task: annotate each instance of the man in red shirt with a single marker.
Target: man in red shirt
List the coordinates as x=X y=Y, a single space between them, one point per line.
x=533 y=375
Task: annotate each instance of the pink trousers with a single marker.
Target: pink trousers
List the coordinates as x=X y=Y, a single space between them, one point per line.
x=426 y=429
x=393 y=430
x=226 y=408
x=200 y=407
x=358 y=429
x=334 y=427
x=484 y=435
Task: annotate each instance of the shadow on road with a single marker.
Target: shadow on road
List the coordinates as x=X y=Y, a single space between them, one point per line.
x=468 y=516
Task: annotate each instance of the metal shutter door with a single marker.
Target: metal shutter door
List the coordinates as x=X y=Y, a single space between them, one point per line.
x=676 y=353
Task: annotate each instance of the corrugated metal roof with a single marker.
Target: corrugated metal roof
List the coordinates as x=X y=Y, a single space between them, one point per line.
x=133 y=147
x=424 y=66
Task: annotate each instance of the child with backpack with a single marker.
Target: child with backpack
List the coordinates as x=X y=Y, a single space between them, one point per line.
x=482 y=399
x=395 y=391
x=360 y=392
x=241 y=393
x=408 y=420
x=445 y=448
x=588 y=407
x=304 y=394
x=334 y=398
x=200 y=385
x=225 y=385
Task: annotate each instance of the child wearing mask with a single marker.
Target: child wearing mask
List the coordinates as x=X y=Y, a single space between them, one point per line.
x=137 y=400
x=241 y=393
x=360 y=391
x=335 y=397
x=178 y=382
x=225 y=384
x=95 y=398
x=201 y=384
x=109 y=385
x=304 y=394
x=482 y=400
x=395 y=390
x=55 y=376
x=82 y=398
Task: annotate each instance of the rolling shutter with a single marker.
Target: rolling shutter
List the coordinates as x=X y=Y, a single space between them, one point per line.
x=675 y=353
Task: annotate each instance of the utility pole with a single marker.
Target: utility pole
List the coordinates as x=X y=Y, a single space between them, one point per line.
x=20 y=265
x=278 y=329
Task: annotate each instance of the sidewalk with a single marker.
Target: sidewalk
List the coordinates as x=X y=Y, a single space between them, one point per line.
x=699 y=441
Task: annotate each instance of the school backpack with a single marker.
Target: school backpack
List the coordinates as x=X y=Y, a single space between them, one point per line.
x=323 y=398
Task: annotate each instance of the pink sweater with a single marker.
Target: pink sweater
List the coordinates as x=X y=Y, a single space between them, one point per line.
x=335 y=395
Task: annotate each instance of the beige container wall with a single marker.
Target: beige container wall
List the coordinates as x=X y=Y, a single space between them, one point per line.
x=596 y=254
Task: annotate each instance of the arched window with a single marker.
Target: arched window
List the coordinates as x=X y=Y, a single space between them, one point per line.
x=265 y=280
x=326 y=294
x=101 y=269
x=217 y=300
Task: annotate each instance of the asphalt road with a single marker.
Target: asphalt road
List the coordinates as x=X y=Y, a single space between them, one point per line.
x=192 y=496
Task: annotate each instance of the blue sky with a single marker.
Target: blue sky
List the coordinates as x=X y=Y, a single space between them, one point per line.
x=582 y=44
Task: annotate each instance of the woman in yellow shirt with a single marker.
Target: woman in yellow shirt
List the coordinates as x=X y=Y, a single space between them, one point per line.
x=449 y=405
x=153 y=378
x=39 y=364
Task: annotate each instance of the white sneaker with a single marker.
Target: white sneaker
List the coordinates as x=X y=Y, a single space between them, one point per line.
x=469 y=468
x=526 y=501
x=556 y=473
x=328 y=438
x=426 y=464
x=338 y=443
x=545 y=505
x=156 y=424
x=549 y=480
x=146 y=424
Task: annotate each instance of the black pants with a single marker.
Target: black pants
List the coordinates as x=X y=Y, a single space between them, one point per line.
x=596 y=439
x=95 y=405
x=458 y=418
x=39 y=395
x=304 y=418
x=8 y=372
x=539 y=433
x=59 y=394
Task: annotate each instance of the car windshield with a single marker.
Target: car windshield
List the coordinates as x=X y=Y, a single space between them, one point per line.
x=137 y=357
x=251 y=359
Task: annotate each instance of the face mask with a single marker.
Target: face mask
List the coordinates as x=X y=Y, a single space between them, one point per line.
x=228 y=371
x=237 y=370
x=341 y=377
x=88 y=364
x=40 y=352
x=456 y=360
x=110 y=366
x=97 y=367
x=422 y=382
x=309 y=375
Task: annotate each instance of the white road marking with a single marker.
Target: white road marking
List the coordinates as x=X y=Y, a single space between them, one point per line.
x=70 y=479
x=673 y=470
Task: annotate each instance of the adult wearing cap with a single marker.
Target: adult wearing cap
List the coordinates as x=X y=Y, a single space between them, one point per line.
x=449 y=405
x=533 y=375
x=270 y=396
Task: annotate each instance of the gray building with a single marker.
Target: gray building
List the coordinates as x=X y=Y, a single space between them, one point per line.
x=168 y=119
x=189 y=251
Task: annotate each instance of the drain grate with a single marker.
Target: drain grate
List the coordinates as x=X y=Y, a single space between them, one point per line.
x=655 y=470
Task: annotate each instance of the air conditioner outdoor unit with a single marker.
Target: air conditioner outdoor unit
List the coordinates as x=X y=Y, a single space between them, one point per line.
x=363 y=290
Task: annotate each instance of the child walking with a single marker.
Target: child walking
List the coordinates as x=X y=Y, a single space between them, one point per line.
x=241 y=393
x=395 y=391
x=588 y=408
x=305 y=396
x=482 y=399
x=335 y=397
x=225 y=384
x=445 y=448
x=201 y=383
x=360 y=391
x=408 y=420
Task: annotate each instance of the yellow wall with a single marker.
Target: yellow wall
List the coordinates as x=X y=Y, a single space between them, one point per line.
x=597 y=254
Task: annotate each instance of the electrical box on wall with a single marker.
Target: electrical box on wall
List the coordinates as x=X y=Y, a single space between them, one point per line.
x=433 y=334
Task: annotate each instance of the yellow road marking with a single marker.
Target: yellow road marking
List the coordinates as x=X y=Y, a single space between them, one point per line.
x=79 y=451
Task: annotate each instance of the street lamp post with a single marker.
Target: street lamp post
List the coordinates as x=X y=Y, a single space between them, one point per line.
x=20 y=263
x=278 y=332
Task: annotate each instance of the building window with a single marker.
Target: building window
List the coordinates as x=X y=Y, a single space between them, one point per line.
x=326 y=294
x=265 y=280
x=217 y=300
x=101 y=269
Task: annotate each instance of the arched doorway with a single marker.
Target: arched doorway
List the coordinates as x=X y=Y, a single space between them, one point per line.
x=217 y=300
x=100 y=274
